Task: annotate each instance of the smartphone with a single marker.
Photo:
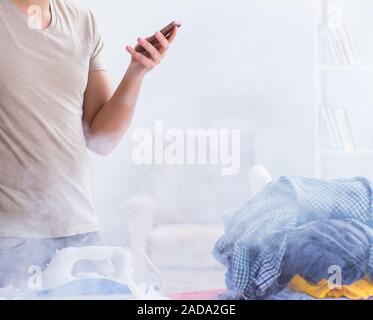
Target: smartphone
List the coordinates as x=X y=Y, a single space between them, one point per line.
x=166 y=31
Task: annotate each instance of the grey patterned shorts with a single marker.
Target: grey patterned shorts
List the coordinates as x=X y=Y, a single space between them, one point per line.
x=17 y=255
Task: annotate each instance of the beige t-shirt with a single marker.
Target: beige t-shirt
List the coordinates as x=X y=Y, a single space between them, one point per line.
x=44 y=171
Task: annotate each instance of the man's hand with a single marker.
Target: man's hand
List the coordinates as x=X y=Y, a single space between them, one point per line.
x=143 y=63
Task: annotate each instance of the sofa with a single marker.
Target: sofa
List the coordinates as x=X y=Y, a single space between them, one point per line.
x=178 y=222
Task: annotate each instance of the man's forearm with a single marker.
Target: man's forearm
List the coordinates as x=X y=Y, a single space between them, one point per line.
x=107 y=119
x=112 y=121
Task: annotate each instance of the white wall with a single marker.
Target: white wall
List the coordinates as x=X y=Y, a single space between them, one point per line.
x=239 y=63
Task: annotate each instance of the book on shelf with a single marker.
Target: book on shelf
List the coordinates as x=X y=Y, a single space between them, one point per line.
x=344 y=129
x=336 y=127
x=342 y=45
x=339 y=37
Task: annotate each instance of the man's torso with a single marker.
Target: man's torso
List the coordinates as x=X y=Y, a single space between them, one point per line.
x=44 y=174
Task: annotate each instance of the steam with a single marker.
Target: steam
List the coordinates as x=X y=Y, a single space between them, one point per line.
x=249 y=83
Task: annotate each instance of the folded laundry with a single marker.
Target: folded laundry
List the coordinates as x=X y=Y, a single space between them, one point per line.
x=258 y=235
x=362 y=289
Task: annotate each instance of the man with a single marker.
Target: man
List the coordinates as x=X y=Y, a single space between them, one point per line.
x=55 y=100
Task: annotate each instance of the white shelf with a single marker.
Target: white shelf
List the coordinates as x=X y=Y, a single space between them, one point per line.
x=347 y=153
x=334 y=163
x=329 y=68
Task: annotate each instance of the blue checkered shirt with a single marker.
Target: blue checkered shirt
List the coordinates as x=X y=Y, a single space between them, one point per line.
x=255 y=238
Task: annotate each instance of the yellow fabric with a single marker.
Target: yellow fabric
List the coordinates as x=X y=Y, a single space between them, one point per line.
x=362 y=289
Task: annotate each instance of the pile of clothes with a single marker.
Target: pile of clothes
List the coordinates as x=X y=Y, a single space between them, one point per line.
x=301 y=236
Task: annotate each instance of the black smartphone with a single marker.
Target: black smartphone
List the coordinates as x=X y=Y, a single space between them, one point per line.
x=166 y=31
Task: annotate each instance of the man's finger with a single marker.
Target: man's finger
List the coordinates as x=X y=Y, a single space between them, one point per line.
x=162 y=41
x=154 y=53
x=149 y=64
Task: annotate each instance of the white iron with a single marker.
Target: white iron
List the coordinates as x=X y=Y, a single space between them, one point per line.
x=259 y=177
x=60 y=270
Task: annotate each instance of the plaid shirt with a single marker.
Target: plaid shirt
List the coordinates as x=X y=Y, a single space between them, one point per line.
x=255 y=238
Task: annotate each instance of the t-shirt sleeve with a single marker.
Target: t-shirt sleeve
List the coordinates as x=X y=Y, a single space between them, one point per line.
x=97 y=57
